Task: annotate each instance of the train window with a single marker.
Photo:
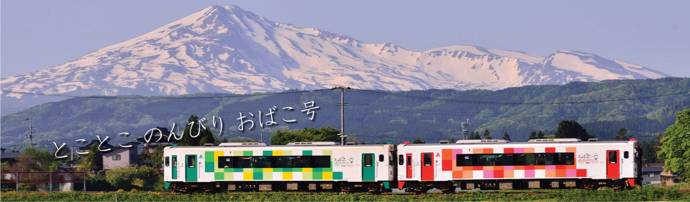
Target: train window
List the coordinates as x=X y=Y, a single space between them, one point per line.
x=191 y=161
x=544 y=159
x=174 y=162
x=566 y=159
x=302 y=162
x=244 y=162
x=261 y=162
x=427 y=160
x=368 y=160
x=626 y=154
x=485 y=160
x=463 y=160
x=321 y=161
x=504 y=159
x=167 y=161
x=284 y=161
x=380 y=157
x=613 y=158
x=527 y=159
x=409 y=160
x=401 y=160
x=225 y=162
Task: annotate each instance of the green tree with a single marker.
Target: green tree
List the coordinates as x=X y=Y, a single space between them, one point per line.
x=327 y=134
x=675 y=149
x=418 y=141
x=621 y=134
x=506 y=136
x=93 y=162
x=33 y=159
x=476 y=135
x=648 y=152
x=540 y=135
x=487 y=134
x=122 y=177
x=571 y=129
x=192 y=129
x=532 y=135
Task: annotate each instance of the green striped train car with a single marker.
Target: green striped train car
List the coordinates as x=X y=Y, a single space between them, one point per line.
x=300 y=166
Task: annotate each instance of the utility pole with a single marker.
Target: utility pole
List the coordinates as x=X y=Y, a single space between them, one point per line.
x=342 y=113
x=31 y=132
x=465 y=125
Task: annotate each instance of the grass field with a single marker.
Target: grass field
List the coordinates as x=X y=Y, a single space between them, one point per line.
x=647 y=193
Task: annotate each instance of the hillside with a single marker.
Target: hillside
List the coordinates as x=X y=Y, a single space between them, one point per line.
x=645 y=107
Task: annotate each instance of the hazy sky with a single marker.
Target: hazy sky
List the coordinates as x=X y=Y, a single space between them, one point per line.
x=656 y=34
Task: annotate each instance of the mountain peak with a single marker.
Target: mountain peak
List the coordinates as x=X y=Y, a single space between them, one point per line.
x=224 y=49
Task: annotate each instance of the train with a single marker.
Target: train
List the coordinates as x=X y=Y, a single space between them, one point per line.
x=489 y=164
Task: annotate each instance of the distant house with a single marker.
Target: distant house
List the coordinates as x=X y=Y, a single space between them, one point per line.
x=652 y=175
x=121 y=156
x=10 y=157
x=117 y=156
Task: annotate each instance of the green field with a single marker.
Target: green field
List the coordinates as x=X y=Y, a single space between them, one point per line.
x=647 y=193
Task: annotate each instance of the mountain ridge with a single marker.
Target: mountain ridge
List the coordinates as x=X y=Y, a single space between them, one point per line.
x=230 y=50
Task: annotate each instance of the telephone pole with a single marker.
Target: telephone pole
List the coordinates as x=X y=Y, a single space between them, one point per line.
x=342 y=113
x=465 y=125
x=31 y=132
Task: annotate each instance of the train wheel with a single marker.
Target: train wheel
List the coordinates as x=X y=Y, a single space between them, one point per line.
x=347 y=189
x=448 y=190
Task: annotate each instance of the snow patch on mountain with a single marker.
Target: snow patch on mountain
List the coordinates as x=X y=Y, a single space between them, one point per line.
x=229 y=50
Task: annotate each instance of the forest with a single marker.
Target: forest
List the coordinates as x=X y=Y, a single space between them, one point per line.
x=644 y=107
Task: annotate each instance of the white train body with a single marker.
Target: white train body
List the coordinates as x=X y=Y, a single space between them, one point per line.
x=558 y=164
x=234 y=163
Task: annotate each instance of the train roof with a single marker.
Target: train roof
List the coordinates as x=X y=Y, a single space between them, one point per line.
x=497 y=142
x=258 y=145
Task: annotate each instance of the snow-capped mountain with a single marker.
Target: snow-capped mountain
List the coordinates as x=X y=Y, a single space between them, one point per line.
x=227 y=49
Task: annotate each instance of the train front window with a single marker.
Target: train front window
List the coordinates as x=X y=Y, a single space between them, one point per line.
x=167 y=161
x=401 y=160
x=409 y=160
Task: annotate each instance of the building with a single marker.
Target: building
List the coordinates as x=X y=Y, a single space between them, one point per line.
x=117 y=156
x=10 y=157
x=121 y=156
x=652 y=175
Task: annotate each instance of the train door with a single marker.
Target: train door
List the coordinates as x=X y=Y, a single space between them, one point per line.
x=191 y=169
x=612 y=164
x=368 y=168
x=174 y=167
x=427 y=166
x=408 y=164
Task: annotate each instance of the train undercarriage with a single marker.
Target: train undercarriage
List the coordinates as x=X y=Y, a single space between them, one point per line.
x=408 y=186
x=345 y=187
x=449 y=187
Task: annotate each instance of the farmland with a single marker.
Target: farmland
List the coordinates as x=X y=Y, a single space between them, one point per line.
x=647 y=193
